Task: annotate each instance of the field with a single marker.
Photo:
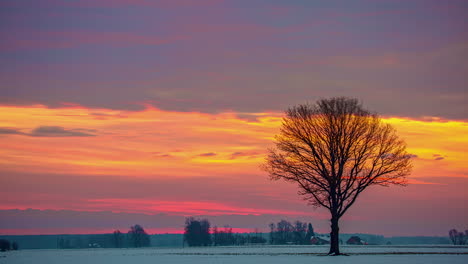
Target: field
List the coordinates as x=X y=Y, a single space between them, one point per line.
x=258 y=254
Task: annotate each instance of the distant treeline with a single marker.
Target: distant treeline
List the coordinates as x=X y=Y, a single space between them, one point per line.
x=284 y=232
x=199 y=232
x=85 y=240
x=135 y=237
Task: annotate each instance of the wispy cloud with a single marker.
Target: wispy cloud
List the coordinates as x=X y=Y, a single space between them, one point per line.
x=57 y=131
x=10 y=131
x=49 y=131
x=208 y=154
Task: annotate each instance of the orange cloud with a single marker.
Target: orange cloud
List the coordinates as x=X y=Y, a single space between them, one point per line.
x=440 y=146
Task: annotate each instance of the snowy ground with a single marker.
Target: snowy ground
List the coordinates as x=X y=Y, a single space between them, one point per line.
x=258 y=254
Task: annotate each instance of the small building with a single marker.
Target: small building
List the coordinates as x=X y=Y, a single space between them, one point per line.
x=318 y=241
x=94 y=245
x=355 y=240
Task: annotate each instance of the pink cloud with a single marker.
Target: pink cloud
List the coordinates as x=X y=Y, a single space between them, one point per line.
x=185 y=208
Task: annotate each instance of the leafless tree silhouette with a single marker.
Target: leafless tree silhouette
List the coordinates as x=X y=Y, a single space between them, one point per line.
x=334 y=150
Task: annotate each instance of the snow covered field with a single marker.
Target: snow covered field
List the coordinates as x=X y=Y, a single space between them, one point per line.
x=258 y=254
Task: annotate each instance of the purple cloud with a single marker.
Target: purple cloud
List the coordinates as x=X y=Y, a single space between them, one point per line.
x=208 y=154
x=57 y=131
x=211 y=56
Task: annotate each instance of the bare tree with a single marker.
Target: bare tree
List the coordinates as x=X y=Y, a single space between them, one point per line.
x=138 y=236
x=334 y=150
x=117 y=239
x=453 y=233
x=458 y=238
x=197 y=232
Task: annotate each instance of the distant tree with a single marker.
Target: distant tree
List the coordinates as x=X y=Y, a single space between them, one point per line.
x=117 y=239
x=453 y=236
x=463 y=237
x=14 y=246
x=4 y=245
x=197 y=232
x=334 y=150
x=64 y=243
x=138 y=237
x=310 y=233
x=272 y=233
x=300 y=232
x=458 y=238
x=284 y=232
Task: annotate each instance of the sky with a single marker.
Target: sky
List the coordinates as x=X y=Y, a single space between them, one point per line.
x=114 y=113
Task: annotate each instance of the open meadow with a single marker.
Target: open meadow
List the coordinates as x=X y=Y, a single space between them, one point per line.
x=258 y=254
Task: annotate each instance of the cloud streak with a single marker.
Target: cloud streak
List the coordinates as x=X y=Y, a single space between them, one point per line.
x=49 y=131
x=208 y=154
x=10 y=131
x=57 y=131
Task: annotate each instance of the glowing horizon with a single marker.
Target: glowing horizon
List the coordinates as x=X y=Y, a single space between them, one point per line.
x=177 y=147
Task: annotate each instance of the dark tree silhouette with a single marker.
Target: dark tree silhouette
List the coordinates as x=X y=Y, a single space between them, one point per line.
x=285 y=233
x=272 y=233
x=4 y=245
x=300 y=232
x=14 y=245
x=197 y=232
x=138 y=236
x=64 y=243
x=334 y=150
x=281 y=233
x=310 y=233
x=458 y=238
x=117 y=239
x=453 y=236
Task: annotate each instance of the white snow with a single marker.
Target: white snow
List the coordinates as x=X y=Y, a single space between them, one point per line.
x=257 y=254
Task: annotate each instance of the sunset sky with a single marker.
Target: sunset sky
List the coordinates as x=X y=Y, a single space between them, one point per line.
x=114 y=113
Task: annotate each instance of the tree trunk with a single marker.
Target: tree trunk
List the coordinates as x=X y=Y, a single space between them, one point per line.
x=334 y=237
